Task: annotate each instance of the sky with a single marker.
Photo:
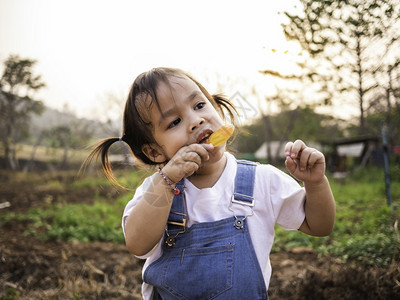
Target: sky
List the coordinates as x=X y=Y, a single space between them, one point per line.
x=89 y=49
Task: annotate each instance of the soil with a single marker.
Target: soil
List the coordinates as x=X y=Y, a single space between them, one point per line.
x=33 y=269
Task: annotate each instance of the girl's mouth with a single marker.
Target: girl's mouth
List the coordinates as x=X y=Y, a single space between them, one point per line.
x=203 y=138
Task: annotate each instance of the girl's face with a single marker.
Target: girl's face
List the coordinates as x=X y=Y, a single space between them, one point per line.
x=185 y=117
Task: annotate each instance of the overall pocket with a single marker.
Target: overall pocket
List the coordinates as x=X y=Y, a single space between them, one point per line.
x=199 y=273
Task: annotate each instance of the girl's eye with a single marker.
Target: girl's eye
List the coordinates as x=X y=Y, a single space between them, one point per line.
x=200 y=105
x=174 y=123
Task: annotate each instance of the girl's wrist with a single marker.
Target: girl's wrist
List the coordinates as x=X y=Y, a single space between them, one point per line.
x=168 y=181
x=314 y=185
x=170 y=172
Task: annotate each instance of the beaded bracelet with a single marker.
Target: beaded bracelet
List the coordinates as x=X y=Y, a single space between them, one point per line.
x=175 y=189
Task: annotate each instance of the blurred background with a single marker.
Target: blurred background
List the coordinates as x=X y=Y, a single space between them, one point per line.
x=322 y=71
x=327 y=72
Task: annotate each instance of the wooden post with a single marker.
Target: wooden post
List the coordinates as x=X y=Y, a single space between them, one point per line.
x=386 y=162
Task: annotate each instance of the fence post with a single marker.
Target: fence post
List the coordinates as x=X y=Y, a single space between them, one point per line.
x=386 y=162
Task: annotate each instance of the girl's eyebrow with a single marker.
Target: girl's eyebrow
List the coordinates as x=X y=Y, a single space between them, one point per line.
x=171 y=110
x=193 y=95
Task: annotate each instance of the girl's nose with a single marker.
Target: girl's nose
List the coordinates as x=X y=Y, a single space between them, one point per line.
x=196 y=123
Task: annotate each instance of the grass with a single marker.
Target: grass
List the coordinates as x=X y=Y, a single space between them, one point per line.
x=63 y=221
x=365 y=230
x=79 y=222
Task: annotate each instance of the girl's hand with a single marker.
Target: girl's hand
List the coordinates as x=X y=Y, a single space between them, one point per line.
x=186 y=161
x=304 y=163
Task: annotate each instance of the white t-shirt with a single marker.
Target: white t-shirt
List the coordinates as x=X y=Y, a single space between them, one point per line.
x=279 y=199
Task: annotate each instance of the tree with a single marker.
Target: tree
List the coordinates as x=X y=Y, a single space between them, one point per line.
x=355 y=39
x=17 y=87
x=301 y=122
x=111 y=110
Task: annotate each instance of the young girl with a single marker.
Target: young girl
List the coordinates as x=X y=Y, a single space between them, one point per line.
x=204 y=221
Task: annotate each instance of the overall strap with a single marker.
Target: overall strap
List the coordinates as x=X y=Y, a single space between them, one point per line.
x=177 y=216
x=244 y=183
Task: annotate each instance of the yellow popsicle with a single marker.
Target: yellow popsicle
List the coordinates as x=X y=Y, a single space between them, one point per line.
x=220 y=136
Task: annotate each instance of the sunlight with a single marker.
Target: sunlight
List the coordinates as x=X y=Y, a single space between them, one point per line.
x=88 y=49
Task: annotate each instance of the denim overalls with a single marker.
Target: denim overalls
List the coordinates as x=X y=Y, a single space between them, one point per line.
x=210 y=260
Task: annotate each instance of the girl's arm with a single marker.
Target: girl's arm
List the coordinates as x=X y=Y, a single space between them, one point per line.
x=319 y=208
x=145 y=224
x=308 y=165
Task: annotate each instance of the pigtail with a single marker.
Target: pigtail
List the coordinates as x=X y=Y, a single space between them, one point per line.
x=100 y=150
x=223 y=103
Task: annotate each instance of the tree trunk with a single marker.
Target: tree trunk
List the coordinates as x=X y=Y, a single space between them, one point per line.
x=6 y=153
x=64 y=161
x=267 y=124
x=285 y=136
x=389 y=124
x=30 y=163
x=13 y=158
x=360 y=87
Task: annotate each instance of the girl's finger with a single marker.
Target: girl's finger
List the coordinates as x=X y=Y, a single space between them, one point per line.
x=290 y=164
x=315 y=157
x=288 y=148
x=190 y=168
x=192 y=156
x=296 y=148
x=305 y=158
x=202 y=150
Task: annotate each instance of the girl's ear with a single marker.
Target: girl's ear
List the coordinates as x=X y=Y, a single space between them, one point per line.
x=154 y=153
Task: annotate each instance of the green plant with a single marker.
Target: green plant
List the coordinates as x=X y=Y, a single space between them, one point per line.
x=364 y=230
x=10 y=294
x=81 y=222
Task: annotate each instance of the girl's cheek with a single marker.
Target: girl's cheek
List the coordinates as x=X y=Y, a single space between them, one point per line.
x=215 y=117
